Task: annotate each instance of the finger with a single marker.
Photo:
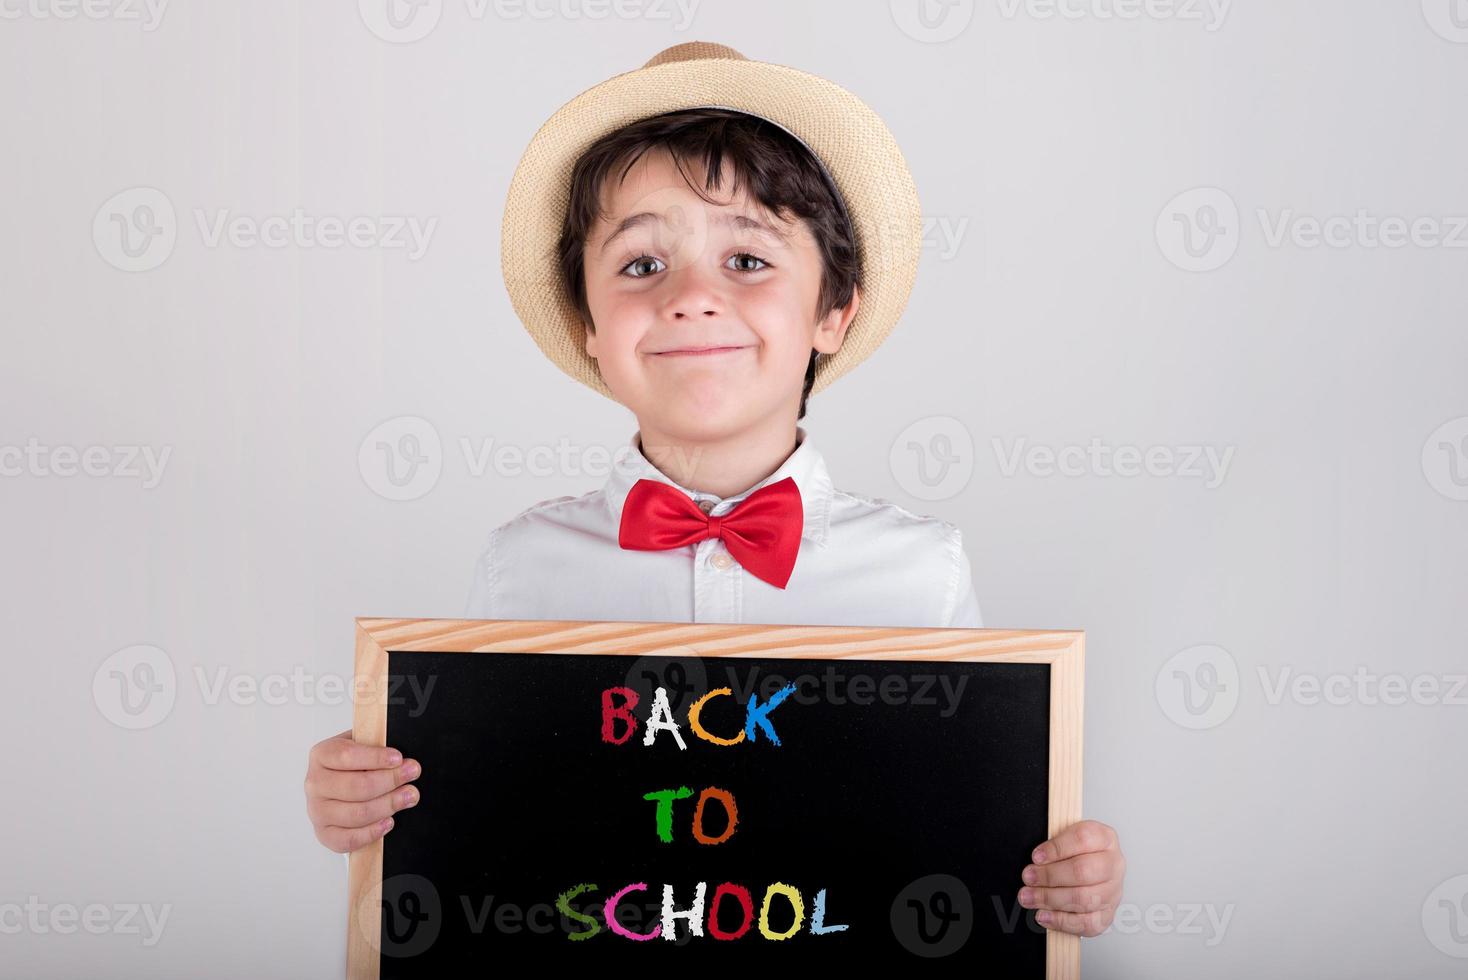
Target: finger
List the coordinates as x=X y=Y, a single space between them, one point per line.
x=350 y=816
x=1078 y=838
x=1088 y=899
x=344 y=754
x=343 y=840
x=358 y=787
x=1088 y=924
x=1084 y=869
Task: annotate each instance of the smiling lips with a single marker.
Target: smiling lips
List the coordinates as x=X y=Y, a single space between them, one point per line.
x=696 y=351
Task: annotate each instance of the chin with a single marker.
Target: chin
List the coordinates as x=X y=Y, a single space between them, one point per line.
x=710 y=396
x=690 y=424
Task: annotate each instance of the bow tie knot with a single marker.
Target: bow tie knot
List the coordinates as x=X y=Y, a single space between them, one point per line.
x=762 y=531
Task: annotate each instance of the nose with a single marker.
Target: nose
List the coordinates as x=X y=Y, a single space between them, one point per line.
x=694 y=294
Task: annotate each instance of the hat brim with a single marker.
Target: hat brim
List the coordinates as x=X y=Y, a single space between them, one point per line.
x=851 y=140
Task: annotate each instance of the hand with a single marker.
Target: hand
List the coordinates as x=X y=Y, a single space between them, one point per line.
x=1075 y=882
x=352 y=791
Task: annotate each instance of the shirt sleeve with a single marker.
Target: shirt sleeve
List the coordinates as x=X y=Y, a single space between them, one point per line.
x=480 y=604
x=966 y=614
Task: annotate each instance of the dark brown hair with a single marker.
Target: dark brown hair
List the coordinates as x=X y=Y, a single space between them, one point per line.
x=781 y=173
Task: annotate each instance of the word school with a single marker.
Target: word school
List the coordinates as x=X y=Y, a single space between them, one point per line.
x=695 y=916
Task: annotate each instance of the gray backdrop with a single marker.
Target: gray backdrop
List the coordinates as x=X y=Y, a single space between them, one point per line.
x=1185 y=360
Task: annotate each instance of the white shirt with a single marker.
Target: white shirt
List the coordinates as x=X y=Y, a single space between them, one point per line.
x=862 y=561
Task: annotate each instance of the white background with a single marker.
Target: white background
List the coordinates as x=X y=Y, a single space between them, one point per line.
x=1052 y=149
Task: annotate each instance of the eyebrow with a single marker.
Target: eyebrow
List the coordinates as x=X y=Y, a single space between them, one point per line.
x=739 y=221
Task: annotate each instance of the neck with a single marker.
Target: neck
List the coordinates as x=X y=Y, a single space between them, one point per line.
x=723 y=466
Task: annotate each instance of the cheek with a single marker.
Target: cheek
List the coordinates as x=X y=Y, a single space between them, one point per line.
x=780 y=317
x=618 y=318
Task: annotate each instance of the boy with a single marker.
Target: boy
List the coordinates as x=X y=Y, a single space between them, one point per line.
x=709 y=268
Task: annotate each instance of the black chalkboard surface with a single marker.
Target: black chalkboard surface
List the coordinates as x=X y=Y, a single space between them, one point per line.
x=882 y=811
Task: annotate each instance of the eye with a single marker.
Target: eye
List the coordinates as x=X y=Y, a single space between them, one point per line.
x=748 y=255
x=639 y=262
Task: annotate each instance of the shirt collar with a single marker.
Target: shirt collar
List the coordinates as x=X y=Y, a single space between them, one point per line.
x=804 y=465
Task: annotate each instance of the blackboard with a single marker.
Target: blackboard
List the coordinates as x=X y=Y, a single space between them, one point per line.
x=883 y=806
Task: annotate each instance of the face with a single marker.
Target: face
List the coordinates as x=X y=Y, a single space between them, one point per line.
x=704 y=314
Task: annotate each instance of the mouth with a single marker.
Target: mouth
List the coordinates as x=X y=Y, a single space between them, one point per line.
x=697 y=351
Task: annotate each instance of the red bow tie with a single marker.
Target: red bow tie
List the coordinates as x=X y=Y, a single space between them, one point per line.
x=762 y=532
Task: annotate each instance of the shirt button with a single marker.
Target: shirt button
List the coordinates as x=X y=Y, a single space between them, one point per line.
x=705 y=505
x=721 y=560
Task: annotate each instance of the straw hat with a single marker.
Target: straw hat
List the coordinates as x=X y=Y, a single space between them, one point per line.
x=847 y=137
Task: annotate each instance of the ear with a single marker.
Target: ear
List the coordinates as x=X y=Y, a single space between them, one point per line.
x=831 y=330
x=590 y=338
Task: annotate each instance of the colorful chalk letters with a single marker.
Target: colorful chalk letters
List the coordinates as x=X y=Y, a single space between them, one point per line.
x=617 y=704
x=619 y=723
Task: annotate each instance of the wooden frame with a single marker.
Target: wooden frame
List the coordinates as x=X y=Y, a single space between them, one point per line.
x=1063 y=650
